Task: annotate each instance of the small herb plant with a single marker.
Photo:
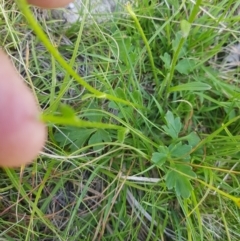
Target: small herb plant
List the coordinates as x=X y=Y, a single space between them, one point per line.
x=175 y=159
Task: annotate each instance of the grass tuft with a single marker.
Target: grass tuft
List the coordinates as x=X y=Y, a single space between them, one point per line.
x=143 y=117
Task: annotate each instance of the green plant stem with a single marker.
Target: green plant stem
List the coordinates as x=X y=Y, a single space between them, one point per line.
x=44 y=39
x=139 y=28
x=74 y=121
x=168 y=80
x=169 y=77
x=234 y=199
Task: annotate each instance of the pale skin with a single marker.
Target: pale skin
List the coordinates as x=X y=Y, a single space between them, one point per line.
x=22 y=134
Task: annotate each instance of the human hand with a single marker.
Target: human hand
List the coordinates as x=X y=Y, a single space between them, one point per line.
x=22 y=134
x=50 y=3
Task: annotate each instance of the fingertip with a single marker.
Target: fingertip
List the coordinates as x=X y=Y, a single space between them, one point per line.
x=50 y=3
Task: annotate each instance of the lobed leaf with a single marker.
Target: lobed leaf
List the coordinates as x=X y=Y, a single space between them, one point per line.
x=173 y=126
x=179 y=150
x=180 y=182
x=159 y=158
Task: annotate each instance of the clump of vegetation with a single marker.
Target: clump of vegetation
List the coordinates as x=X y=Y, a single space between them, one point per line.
x=143 y=126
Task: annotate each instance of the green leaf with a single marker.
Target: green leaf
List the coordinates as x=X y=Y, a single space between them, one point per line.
x=171 y=180
x=96 y=139
x=183 y=188
x=193 y=139
x=137 y=95
x=99 y=136
x=128 y=113
x=185 y=169
x=163 y=149
x=173 y=126
x=193 y=86
x=67 y=111
x=185 y=28
x=120 y=93
x=91 y=115
x=122 y=134
x=175 y=4
x=166 y=58
x=126 y=46
x=176 y=42
x=179 y=150
x=179 y=182
x=159 y=158
x=185 y=66
x=74 y=137
x=113 y=105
